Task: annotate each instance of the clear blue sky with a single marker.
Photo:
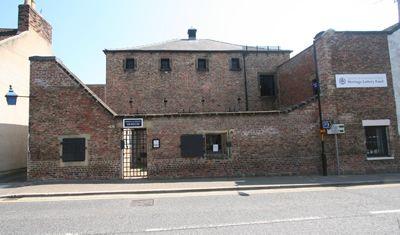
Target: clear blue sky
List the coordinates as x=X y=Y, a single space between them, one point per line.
x=83 y=28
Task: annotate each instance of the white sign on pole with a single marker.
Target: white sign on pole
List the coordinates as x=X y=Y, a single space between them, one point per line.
x=336 y=129
x=360 y=80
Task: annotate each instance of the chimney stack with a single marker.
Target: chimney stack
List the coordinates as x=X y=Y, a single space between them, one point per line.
x=30 y=20
x=192 y=33
x=30 y=3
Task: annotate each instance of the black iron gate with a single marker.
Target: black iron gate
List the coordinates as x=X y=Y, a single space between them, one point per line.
x=134 y=153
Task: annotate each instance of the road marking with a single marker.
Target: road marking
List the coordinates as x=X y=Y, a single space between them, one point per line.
x=384 y=212
x=233 y=224
x=388 y=185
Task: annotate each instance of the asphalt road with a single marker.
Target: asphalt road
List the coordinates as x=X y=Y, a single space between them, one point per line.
x=328 y=210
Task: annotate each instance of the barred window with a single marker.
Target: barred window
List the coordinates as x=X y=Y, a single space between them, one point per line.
x=235 y=64
x=165 y=65
x=202 y=65
x=130 y=64
x=376 y=141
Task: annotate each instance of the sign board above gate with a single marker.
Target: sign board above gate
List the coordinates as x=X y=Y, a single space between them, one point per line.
x=360 y=80
x=129 y=123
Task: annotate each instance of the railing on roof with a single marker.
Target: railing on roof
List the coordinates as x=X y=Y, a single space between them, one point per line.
x=262 y=48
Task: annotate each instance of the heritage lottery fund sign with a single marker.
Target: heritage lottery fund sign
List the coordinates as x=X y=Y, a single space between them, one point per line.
x=360 y=80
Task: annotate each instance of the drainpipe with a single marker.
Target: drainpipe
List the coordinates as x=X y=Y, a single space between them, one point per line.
x=323 y=155
x=245 y=79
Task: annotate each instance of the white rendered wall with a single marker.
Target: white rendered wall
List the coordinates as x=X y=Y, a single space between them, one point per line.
x=14 y=70
x=394 y=50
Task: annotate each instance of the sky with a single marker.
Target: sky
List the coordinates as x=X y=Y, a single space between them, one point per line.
x=82 y=29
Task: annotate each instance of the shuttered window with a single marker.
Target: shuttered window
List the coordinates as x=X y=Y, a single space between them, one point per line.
x=73 y=149
x=192 y=145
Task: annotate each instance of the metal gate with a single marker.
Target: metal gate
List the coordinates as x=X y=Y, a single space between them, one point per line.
x=134 y=153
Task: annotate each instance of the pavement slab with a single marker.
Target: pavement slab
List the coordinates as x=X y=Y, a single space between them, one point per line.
x=142 y=186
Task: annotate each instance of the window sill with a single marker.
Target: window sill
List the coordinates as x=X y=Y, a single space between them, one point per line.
x=72 y=164
x=236 y=70
x=216 y=156
x=379 y=158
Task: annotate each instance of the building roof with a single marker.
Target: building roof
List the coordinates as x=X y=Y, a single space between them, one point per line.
x=393 y=28
x=6 y=33
x=197 y=45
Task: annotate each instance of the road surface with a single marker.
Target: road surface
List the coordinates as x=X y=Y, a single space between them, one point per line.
x=373 y=209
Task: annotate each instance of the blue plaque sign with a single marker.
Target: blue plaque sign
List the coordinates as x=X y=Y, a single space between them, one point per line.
x=129 y=123
x=326 y=124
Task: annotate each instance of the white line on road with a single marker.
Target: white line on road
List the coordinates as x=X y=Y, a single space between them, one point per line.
x=232 y=224
x=384 y=212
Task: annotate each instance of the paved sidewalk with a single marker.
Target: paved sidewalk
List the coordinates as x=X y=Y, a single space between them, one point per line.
x=70 y=188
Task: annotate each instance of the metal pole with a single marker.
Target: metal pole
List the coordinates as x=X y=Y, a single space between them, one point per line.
x=323 y=155
x=244 y=54
x=337 y=155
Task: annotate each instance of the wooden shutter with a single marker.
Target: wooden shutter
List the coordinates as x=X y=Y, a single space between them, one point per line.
x=192 y=145
x=73 y=149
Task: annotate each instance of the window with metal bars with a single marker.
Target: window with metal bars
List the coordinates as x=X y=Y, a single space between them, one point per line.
x=73 y=149
x=165 y=64
x=376 y=141
x=235 y=64
x=202 y=64
x=130 y=64
x=200 y=145
x=216 y=143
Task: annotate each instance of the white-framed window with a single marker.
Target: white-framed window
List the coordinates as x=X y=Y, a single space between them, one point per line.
x=377 y=139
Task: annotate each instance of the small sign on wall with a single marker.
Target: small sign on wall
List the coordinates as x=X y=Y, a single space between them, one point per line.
x=129 y=123
x=360 y=80
x=215 y=148
x=156 y=143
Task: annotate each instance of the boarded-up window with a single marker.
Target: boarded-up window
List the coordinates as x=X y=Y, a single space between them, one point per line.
x=73 y=149
x=216 y=143
x=192 y=145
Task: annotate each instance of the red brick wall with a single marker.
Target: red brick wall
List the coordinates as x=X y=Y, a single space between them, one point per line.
x=184 y=87
x=357 y=53
x=295 y=78
x=98 y=89
x=29 y=19
x=60 y=106
x=262 y=144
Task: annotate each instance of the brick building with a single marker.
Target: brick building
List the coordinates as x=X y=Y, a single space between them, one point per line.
x=202 y=108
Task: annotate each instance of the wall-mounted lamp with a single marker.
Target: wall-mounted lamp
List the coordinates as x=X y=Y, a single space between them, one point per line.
x=11 y=97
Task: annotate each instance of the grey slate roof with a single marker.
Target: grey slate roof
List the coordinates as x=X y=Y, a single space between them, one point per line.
x=196 y=45
x=393 y=28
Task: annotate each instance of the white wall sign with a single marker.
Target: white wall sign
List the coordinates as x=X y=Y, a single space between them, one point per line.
x=336 y=129
x=129 y=123
x=215 y=148
x=360 y=80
